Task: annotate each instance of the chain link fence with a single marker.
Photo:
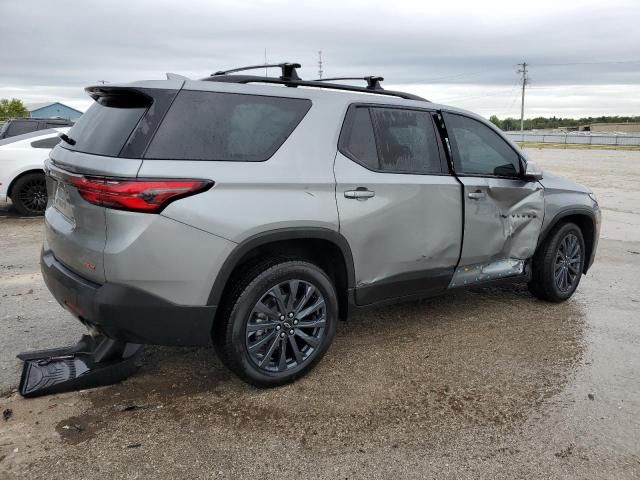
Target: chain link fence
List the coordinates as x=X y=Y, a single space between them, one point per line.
x=575 y=139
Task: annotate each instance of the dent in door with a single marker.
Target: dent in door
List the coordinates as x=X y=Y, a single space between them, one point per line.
x=522 y=224
x=514 y=235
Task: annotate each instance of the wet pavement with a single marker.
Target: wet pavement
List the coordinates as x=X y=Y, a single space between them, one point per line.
x=489 y=383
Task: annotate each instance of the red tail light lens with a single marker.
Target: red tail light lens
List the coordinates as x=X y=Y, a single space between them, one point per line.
x=137 y=195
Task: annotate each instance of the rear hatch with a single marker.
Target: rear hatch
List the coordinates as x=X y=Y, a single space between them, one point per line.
x=106 y=142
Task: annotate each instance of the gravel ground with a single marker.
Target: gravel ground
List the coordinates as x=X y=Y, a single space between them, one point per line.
x=482 y=384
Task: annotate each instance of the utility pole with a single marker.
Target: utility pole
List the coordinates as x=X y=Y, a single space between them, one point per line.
x=319 y=63
x=522 y=70
x=266 y=74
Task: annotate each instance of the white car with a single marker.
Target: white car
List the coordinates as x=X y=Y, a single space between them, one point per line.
x=22 y=177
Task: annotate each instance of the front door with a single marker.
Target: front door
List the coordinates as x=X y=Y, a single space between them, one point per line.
x=503 y=212
x=399 y=210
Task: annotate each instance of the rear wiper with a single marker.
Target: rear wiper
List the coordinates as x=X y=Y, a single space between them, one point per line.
x=68 y=139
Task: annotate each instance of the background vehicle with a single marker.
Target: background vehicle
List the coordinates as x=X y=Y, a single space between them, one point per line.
x=20 y=126
x=257 y=215
x=22 y=177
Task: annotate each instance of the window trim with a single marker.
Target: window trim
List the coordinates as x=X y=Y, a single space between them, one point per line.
x=347 y=124
x=456 y=154
x=271 y=154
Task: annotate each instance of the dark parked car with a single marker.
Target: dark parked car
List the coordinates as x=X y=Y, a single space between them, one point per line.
x=20 y=126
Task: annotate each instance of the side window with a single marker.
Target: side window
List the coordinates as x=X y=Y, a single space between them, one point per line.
x=48 y=143
x=480 y=150
x=360 y=143
x=226 y=126
x=406 y=141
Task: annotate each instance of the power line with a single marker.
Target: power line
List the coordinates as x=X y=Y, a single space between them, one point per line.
x=480 y=72
x=514 y=97
x=457 y=75
x=493 y=94
x=612 y=62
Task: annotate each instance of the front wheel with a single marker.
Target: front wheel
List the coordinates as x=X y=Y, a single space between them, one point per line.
x=557 y=265
x=278 y=323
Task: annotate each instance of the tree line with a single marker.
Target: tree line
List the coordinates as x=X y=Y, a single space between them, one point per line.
x=541 y=123
x=13 y=108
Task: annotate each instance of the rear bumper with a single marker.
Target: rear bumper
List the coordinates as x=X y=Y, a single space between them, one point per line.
x=126 y=313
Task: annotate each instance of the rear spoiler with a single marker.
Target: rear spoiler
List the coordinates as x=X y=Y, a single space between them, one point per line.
x=119 y=97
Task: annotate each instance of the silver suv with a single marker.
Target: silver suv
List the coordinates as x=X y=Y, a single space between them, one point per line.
x=254 y=212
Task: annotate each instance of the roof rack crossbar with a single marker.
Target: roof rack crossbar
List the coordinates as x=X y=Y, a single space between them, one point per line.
x=288 y=70
x=309 y=83
x=373 y=83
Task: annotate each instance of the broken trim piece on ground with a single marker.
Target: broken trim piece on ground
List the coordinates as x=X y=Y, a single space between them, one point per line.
x=92 y=362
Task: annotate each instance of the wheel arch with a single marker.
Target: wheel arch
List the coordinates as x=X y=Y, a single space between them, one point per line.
x=585 y=219
x=326 y=248
x=20 y=175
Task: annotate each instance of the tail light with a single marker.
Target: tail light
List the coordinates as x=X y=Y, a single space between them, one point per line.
x=138 y=195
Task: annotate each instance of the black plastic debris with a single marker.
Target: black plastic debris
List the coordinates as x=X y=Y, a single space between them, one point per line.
x=7 y=414
x=92 y=362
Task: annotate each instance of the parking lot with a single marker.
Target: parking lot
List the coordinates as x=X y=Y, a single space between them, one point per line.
x=489 y=383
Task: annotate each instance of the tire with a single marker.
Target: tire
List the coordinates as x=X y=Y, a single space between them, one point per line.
x=256 y=354
x=29 y=194
x=558 y=263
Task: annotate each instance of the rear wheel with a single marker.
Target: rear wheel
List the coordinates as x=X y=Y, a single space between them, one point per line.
x=558 y=264
x=29 y=194
x=278 y=323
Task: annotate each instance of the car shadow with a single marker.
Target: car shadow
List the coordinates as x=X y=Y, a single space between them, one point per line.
x=483 y=357
x=8 y=211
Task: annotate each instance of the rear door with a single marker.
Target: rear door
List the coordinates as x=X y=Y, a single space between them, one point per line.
x=400 y=212
x=503 y=212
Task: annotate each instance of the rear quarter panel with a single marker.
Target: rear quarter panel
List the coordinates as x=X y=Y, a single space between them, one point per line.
x=295 y=187
x=18 y=157
x=15 y=161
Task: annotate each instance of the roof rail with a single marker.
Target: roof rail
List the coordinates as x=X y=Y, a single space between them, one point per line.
x=290 y=78
x=288 y=70
x=373 y=83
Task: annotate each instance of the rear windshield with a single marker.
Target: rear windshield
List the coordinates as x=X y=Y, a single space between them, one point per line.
x=226 y=126
x=105 y=127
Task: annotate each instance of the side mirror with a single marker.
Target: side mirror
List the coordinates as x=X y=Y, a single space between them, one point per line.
x=532 y=172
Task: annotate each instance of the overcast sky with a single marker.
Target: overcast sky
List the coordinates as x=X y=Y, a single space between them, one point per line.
x=458 y=52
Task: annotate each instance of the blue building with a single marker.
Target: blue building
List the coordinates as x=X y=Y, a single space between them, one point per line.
x=53 y=110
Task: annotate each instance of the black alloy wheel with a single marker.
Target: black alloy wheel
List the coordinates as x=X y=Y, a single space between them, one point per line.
x=557 y=265
x=286 y=325
x=277 y=322
x=29 y=194
x=568 y=262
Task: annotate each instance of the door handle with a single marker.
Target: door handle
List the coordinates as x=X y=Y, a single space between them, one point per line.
x=360 y=193
x=476 y=195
